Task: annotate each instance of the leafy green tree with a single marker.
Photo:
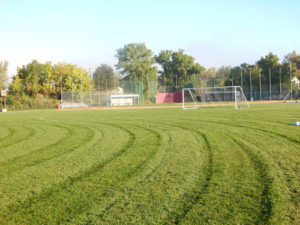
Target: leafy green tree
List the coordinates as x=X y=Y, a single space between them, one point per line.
x=293 y=59
x=136 y=63
x=37 y=78
x=104 y=78
x=3 y=74
x=269 y=64
x=31 y=77
x=69 y=77
x=178 y=69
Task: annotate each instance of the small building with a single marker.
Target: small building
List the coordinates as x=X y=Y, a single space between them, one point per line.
x=122 y=100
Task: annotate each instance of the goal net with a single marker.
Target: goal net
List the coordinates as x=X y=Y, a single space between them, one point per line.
x=229 y=96
x=292 y=97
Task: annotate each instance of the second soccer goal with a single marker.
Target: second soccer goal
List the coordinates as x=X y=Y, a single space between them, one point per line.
x=229 y=96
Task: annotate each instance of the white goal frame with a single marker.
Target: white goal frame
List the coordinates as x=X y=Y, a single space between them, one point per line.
x=234 y=92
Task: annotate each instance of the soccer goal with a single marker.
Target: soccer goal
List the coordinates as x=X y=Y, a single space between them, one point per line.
x=292 y=97
x=229 y=96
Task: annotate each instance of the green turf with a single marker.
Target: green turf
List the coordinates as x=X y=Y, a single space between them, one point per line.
x=151 y=166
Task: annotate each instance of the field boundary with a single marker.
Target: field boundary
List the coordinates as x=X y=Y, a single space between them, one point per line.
x=164 y=106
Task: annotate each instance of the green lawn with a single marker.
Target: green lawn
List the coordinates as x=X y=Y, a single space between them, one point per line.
x=151 y=166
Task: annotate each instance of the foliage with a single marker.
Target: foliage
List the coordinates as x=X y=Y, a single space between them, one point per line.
x=24 y=102
x=46 y=79
x=154 y=166
x=178 y=69
x=136 y=63
x=105 y=78
x=294 y=60
x=3 y=75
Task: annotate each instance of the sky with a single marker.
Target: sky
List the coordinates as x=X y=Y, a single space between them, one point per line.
x=88 y=32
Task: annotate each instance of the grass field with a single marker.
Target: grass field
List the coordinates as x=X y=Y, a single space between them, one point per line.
x=151 y=166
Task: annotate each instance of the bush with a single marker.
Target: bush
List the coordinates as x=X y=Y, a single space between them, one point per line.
x=26 y=102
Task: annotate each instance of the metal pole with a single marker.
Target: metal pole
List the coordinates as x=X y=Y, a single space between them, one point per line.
x=232 y=82
x=242 y=78
x=61 y=88
x=291 y=82
x=235 y=100
x=251 y=98
x=259 y=84
x=183 y=98
x=72 y=92
x=280 y=83
x=81 y=87
x=270 y=85
x=106 y=89
x=98 y=88
x=91 y=99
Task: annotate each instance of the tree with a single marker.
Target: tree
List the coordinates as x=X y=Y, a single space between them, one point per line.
x=71 y=78
x=267 y=64
x=37 y=78
x=104 y=77
x=3 y=75
x=293 y=59
x=136 y=63
x=179 y=69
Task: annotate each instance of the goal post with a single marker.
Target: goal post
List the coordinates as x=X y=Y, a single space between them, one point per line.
x=227 y=96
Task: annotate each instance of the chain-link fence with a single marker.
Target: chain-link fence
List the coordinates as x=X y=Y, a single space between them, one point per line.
x=128 y=93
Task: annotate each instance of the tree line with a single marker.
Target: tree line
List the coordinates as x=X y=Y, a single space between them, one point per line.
x=138 y=63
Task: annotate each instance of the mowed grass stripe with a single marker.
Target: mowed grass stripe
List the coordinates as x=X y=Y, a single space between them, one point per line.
x=34 y=180
x=157 y=179
x=71 y=138
x=69 y=184
x=197 y=212
x=164 y=179
x=275 y=209
x=6 y=132
x=19 y=134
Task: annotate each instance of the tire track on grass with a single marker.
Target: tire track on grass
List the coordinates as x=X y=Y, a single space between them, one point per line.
x=13 y=142
x=35 y=199
x=10 y=132
x=123 y=179
x=263 y=171
x=284 y=171
x=271 y=135
x=201 y=187
x=46 y=153
x=112 y=204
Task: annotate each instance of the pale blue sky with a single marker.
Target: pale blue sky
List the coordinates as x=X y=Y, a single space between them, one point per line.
x=88 y=32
